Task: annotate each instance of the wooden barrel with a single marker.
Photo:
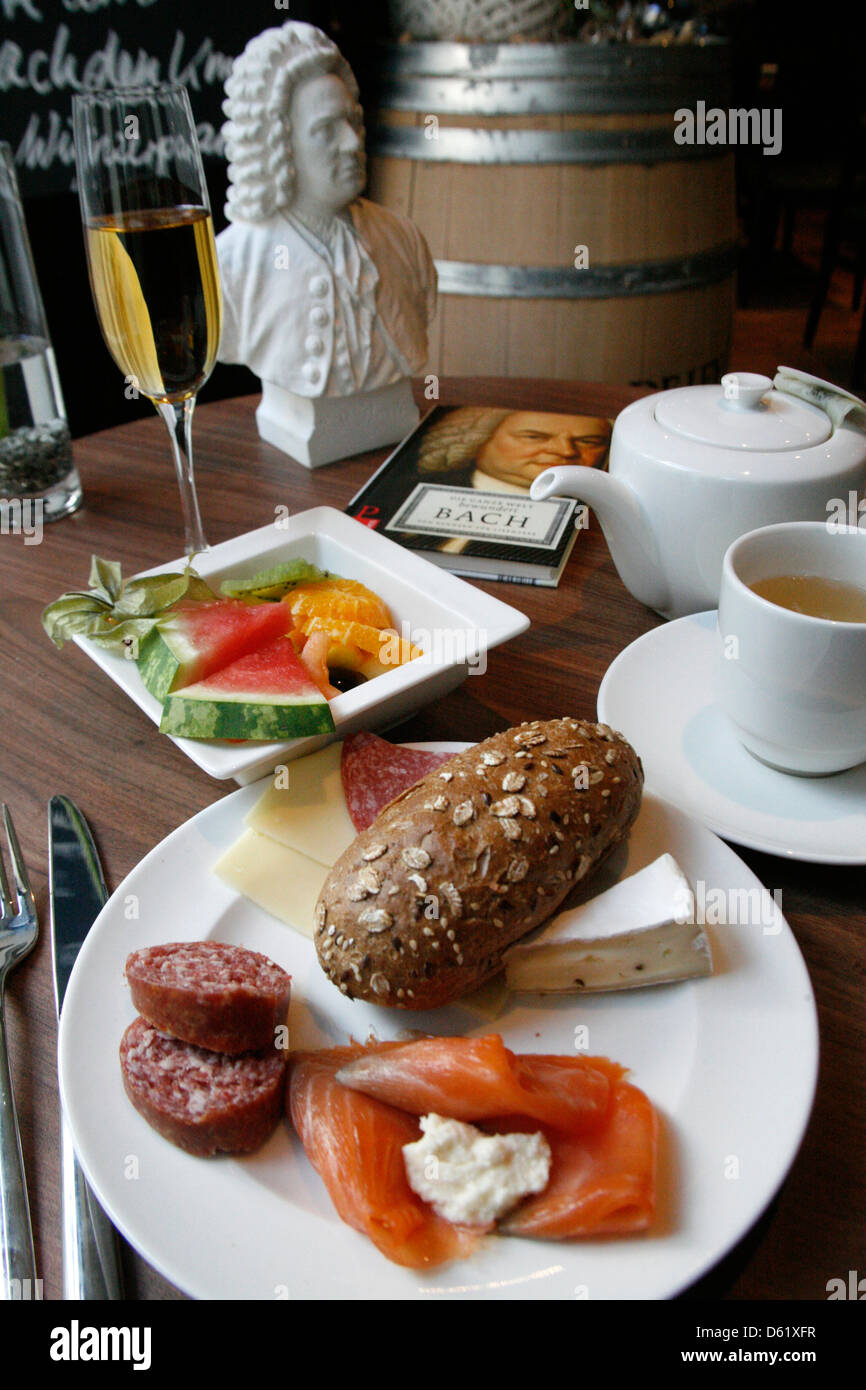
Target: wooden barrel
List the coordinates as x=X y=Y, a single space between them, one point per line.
x=574 y=237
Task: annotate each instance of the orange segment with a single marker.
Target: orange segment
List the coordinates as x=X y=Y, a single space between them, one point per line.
x=384 y=644
x=368 y=639
x=341 y=599
x=355 y=619
x=394 y=650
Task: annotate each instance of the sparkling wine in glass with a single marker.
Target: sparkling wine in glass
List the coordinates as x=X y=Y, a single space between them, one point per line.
x=151 y=255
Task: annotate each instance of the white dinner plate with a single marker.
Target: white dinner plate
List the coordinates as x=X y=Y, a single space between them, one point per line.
x=730 y=1062
x=659 y=693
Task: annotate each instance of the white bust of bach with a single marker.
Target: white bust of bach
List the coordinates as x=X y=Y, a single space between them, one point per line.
x=327 y=297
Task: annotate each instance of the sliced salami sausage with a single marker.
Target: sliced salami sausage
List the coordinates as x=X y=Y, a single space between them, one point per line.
x=225 y=998
x=375 y=771
x=205 y=1102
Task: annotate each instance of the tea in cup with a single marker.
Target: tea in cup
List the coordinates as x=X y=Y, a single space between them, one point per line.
x=815 y=596
x=791 y=670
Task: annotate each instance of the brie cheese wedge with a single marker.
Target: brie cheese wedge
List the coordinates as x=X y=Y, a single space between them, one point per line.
x=639 y=932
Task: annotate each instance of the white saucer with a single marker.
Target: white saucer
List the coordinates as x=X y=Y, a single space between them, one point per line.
x=658 y=692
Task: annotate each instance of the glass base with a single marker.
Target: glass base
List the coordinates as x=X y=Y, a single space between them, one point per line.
x=63 y=498
x=25 y=515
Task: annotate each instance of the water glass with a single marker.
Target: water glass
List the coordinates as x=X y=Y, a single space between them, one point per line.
x=37 y=474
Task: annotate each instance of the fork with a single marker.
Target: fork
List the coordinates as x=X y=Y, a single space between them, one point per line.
x=18 y=931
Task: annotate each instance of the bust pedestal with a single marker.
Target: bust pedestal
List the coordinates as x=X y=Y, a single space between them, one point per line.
x=321 y=429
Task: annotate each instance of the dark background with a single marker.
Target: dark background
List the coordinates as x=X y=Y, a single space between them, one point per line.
x=817 y=82
x=200 y=30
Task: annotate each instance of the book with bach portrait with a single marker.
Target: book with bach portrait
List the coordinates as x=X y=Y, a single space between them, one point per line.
x=457 y=489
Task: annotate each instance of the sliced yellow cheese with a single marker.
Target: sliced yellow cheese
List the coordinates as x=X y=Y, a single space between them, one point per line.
x=276 y=878
x=309 y=813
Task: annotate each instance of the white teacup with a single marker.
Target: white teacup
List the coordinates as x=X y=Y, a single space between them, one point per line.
x=793 y=686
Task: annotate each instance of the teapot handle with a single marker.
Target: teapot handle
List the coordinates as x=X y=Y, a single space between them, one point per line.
x=841 y=406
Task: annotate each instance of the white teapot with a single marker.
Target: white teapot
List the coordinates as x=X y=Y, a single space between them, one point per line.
x=694 y=468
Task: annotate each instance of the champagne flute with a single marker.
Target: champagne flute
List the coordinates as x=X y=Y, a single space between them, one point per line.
x=151 y=255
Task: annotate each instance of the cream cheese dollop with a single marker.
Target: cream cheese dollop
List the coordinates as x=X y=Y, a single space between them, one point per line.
x=471 y=1178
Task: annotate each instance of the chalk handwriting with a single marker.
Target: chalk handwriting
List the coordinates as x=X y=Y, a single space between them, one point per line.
x=43 y=71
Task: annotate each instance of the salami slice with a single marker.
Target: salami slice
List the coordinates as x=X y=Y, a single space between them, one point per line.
x=375 y=771
x=205 y=1102
x=222 y=997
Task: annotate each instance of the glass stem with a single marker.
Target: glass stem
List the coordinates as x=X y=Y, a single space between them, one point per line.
x=178 y=418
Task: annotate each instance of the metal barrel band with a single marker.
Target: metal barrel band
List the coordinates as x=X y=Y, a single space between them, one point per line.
x=517 y=61
x=466 y=145
x=551 y=94
x=596 y=282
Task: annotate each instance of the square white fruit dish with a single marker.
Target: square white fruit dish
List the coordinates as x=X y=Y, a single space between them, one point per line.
x=453 y=622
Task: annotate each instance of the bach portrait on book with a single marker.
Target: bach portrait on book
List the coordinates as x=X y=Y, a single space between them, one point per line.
x=458 y=488
x=497 y=450
x=505 y=450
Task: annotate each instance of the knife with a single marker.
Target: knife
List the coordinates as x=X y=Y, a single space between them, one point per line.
x=91 y=1263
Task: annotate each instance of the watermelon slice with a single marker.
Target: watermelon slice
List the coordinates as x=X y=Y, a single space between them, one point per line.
x=197 y=639
x=267 y=695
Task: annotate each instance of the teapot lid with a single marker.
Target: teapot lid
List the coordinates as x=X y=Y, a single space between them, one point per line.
x=742 y=414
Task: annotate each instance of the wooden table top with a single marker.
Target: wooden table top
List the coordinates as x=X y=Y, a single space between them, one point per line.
x=65 y=727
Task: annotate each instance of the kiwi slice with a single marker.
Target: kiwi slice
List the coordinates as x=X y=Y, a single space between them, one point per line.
x=273 y=583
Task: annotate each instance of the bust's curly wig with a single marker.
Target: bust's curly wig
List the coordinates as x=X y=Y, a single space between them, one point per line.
x=257 y=133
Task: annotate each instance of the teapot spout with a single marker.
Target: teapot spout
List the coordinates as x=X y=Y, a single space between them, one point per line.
x=623 y=521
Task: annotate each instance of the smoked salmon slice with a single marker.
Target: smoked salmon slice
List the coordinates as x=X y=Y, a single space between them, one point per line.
x=354 y=1108
x=480 y=1079
x=355 y=1144
x=601 y=1182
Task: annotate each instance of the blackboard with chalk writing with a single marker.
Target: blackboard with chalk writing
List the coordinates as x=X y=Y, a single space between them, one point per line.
x=51 y=49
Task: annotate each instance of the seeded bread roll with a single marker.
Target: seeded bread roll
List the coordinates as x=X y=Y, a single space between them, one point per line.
x=423 y=904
